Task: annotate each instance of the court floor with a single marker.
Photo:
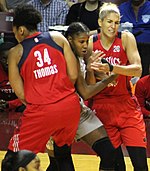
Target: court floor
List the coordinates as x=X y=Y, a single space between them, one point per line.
x=81 y=162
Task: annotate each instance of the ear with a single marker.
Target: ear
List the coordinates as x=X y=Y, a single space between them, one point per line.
x=100 y=22
x=21 y=30
x=69 y=39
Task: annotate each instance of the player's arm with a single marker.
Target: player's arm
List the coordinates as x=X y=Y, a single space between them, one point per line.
x=70 y=58
x=13 y=72
x=90 y=76
x=134 y=68
x=3 y=5
x=87 y=91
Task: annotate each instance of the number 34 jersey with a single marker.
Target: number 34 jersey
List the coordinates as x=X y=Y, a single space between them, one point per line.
x=43 y=69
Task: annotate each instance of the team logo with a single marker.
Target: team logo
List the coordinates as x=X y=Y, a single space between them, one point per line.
x=36 y=40
x=145 y=18
x=116 y=48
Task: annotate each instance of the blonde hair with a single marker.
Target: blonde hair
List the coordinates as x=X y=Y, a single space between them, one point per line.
x=108 y=8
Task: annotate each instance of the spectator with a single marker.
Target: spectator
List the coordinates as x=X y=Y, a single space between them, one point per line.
x=8 y=99
x=85 y=12
x=142 y=92
x=138 y=13
x=115 y=106
x=9 y=5
x=21 y=161
x=53 y=13
x=11 y=107
x=118 y=2
x=71 y=2
x=44 y=72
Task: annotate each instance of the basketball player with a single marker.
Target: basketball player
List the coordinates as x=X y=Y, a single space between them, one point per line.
x=115 y=106
x=90 y=129
x=42 y=72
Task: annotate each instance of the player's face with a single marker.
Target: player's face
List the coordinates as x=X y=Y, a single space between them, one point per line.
x=4 y=60
x=137 y=2
x=79 y=44
x=34 y=165
x=110 y=24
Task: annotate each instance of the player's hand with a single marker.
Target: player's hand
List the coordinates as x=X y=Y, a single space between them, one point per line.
x=95 y=57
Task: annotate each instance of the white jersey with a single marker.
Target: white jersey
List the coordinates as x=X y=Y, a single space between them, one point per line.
x=88 y=120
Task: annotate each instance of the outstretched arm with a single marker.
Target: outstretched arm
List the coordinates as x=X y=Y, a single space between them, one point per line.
x=14 y=75
x=87 y=91
x=134 y=68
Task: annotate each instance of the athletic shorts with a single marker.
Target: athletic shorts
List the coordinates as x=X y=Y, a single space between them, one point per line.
x=40 y=122
x=122 y=119
x=88 y=123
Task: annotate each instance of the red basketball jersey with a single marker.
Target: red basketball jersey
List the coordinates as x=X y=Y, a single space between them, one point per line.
x=116 y=56
x=43 y=69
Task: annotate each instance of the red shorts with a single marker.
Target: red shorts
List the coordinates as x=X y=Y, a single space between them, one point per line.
x=123 y=120
x=40 y=122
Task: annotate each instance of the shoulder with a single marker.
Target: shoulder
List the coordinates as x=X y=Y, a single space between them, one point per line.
x=58 y=38
x=91 y=40
x=59 y=5
x=124 y=5
x=126 y=37
x=76 y=6
x=147 y=4
x=16 y=52
x=142 y=81
x=146 y=7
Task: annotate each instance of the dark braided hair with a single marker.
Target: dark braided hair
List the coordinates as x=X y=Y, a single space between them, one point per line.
x=76 y=28
x=28 y=16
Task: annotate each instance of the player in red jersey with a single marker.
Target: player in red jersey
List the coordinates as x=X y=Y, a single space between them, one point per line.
x=11 y=107
x=115 y=106
x=142 y=92
x=42 y=72
x=8 y=99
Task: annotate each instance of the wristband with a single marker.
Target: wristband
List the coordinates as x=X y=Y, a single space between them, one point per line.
x=111 y=67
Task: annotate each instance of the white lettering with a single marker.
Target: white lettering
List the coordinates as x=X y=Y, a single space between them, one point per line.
x=46 y=71
x=113 y=60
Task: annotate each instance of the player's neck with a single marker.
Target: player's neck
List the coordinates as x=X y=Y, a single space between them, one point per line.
x=91 y=6
x=106 y=42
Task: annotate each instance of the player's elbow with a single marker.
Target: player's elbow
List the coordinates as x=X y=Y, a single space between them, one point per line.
x=85 y=97
x=138 y=72
x=84 y=94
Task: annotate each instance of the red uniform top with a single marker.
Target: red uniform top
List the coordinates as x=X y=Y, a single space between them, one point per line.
x=40 y=68
x=142 y=92
x=116 y=56
x=115 y=106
